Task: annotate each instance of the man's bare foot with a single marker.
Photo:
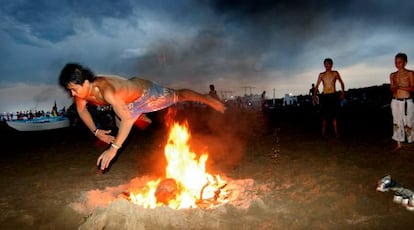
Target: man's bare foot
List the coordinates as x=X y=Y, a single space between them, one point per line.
x=397 y=148
x=143 y=121
x=144 y=118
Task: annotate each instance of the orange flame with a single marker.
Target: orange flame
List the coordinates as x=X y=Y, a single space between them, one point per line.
x=187 y=184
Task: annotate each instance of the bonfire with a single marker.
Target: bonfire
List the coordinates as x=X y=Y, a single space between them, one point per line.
x=186 y=183
x=163 y=202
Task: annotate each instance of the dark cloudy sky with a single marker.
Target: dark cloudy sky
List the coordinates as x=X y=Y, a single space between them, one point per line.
x=265 y=44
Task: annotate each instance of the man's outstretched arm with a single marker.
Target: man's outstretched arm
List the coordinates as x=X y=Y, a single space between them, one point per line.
x=126 y=123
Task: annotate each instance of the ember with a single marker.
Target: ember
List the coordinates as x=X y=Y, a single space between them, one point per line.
x=187 y=184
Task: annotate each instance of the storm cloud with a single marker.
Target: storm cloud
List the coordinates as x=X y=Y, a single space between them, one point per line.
x=264 y=44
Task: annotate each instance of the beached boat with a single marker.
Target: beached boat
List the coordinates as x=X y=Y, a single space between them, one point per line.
x=40 y=123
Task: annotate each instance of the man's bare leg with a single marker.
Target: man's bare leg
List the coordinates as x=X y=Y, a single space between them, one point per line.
x=189 y=95
x=399 y=146
x=335 y=127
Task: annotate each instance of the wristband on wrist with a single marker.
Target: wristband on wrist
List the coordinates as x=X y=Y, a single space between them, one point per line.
x=95 y=132
x=115 y=146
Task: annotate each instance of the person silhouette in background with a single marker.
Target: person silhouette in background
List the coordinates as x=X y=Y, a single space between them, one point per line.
x=263 y=100
x=213 y=92
x=312 y=93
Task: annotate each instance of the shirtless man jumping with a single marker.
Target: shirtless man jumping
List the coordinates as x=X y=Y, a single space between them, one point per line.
x=329 y=100
x=402 y=106
x=129 y=98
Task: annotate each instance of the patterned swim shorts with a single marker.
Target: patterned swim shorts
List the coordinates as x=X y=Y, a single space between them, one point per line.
x=153 y=98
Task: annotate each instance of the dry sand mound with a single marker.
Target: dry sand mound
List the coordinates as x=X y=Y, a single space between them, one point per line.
x=109 y=209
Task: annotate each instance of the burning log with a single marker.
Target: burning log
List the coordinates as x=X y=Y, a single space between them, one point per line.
x=166 y=190
x=218 y=191
x=126 y=195
x=206 y=203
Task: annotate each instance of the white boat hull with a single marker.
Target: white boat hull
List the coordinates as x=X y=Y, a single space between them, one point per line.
x=40 y=124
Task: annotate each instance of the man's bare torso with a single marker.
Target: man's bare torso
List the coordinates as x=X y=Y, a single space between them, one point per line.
x=127 y=90
x=328 y=79
x=402 y=79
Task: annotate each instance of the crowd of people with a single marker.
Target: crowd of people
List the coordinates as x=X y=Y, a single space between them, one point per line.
x=29 y=114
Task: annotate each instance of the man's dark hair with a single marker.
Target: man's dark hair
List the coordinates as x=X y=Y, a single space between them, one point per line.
x=402 y=56
x=76 y=74
x=329 y=60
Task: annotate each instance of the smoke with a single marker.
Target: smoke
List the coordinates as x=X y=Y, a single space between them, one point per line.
x=204 y=58
x=222 y=136
x=243 y=40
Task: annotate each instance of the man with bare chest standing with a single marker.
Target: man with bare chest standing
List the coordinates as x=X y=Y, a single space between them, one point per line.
x=329 y=99
x=402 y=106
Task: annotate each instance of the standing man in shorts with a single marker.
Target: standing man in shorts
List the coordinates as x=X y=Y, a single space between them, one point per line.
x=329 y=100
x=129 y=98
x=402 y=106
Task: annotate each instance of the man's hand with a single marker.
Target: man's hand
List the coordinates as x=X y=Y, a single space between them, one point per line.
x=105 y=158
x=314 y=99
x=342 y=95
x=104 y=135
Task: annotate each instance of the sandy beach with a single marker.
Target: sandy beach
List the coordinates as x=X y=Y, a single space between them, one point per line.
x=287 y=176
